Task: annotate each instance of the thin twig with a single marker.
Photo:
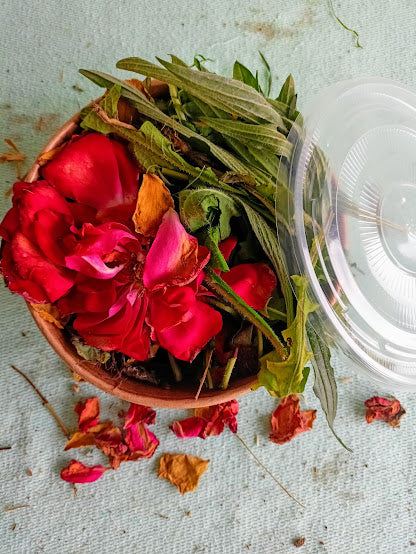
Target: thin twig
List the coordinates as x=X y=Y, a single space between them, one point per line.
x=16 y=508
x=111 y=121
x=228 y=370
x=177 y=373
x=5 y=447
x=268 y=471
x=208 y=358
x=45 y=403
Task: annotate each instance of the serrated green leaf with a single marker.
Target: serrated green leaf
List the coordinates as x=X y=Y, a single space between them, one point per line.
x=282 y=378
x=206 y=207
x=92 y=121
x=224 y=93
x=261 y=136
x=325 y=386
x=267 y=238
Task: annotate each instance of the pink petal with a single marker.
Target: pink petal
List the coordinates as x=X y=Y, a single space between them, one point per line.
x=218 y=416
x=139 y=414
x=174 y=257
x=109 y=242
x=88 y=413
x=89 y=170
x=142 y=443
x=254 y=283
x=190 y=427
x=193 y=330
x=77 y=472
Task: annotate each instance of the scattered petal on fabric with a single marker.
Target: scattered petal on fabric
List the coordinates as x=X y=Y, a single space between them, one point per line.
x=80 y=439
x=77 y=472
x=218 y=416
x=189 y=427
x=182 y=470
x=139 y=414
x=88 y=413
x=110 y=442
x=288 y=421
x=388 y=410
x=209 y=421
x=141 y=442
x=153 y=201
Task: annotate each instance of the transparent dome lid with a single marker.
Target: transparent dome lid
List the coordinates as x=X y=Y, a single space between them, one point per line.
x=352 y=222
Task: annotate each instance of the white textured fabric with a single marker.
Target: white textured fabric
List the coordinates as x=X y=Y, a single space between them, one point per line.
x=355 y=503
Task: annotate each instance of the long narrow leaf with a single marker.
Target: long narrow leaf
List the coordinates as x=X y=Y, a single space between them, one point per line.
x=325 y=387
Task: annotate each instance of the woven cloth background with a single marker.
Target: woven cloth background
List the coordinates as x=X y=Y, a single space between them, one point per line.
x=355 y=503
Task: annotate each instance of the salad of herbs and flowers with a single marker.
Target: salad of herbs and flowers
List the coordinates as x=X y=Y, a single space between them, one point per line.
x=150 y=235
x=151 y=239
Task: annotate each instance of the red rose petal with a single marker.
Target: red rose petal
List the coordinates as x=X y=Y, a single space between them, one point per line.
x=141 y=442
x=139 y=414
x=388 y=410
x=90 y=169
x=189 y=427
x=287 y=420
x=77 y=472
x=254 y=283
x=88 y=413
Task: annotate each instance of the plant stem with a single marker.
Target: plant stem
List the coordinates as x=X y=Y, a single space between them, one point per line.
x=208 y=358
x=176 y=102
x=220 y=287
x=63 y=427
x=177 y=373
x=268 y=471
x=259 y=343
x=228 y=370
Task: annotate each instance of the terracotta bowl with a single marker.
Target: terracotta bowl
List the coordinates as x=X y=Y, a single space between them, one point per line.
x=129 y=389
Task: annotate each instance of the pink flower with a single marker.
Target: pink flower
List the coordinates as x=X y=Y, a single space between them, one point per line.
x=70 y=241
x=150 y=291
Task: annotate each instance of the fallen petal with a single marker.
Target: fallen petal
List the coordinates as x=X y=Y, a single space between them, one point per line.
x=139 y=414
x=189 y=427
x=287 y=420
x=77 y=472
x=88 y=413
x=388 y=410
x=182 y=470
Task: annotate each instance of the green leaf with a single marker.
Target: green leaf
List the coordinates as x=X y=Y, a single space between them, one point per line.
x=110 y=101
x=92 y=121
x=90 y=353
x=268 y=76
x=288 y=96
x=268 y=240
x=325 y=387
x=224 y=93
x=282 y=378
x=260 y=136
x=243 y=74
x=206 y=207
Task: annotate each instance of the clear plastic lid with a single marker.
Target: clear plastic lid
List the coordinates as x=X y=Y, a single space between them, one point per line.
x=352 y=222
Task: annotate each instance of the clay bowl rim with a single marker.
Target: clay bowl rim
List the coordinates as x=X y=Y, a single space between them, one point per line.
x=123 y=387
